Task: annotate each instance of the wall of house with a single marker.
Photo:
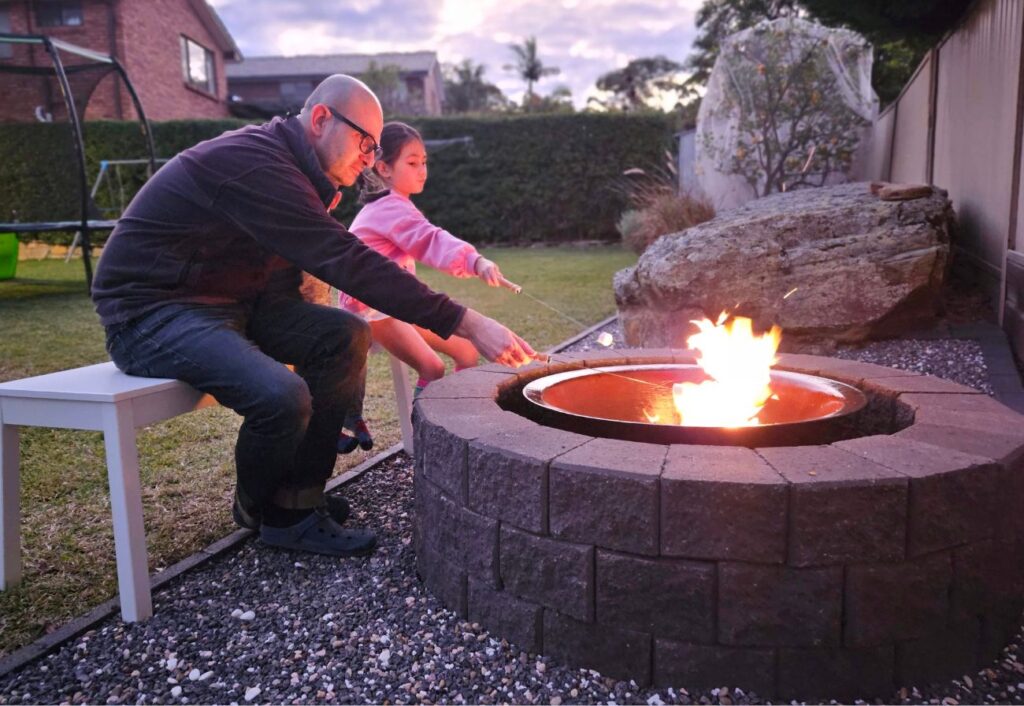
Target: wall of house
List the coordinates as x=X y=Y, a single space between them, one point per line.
x=22 y=95
x=417 y=93
x=432 y=89
x=145 y=36
x=257 y=91
x=152 y=57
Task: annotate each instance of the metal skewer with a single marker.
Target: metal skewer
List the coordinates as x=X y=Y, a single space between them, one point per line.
x=548 y=357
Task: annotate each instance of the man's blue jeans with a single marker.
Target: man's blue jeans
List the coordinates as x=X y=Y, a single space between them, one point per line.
x=288 y=439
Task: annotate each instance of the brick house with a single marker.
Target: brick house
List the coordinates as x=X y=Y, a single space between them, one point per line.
x=269 y=85
x=174 y=51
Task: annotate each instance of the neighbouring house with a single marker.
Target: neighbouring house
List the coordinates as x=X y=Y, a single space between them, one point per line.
x=407 y=83
x=174 y=51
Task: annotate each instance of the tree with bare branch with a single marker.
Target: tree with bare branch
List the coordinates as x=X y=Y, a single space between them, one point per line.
x=789 y=125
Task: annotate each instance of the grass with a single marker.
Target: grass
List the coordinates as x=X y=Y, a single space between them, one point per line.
x=186 y=463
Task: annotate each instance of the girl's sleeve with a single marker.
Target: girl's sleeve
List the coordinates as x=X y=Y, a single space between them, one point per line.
x=434 y=246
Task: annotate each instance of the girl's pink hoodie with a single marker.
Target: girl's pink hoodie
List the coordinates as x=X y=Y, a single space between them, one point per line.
x=395 y=228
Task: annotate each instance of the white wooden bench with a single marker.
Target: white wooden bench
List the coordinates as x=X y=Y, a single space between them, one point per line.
x=102 y=398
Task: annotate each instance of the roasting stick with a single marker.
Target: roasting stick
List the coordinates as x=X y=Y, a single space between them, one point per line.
x=547 y=357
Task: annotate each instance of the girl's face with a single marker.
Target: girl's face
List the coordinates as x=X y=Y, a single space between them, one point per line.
x=408 y=174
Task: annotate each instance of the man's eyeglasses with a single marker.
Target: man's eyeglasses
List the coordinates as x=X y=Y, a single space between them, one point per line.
x=367 y=145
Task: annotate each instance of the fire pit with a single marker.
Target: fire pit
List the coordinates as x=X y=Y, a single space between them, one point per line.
x=882 y=549
x=635 y=403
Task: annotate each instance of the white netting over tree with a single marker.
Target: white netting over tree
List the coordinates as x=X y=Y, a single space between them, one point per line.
x=787 y=107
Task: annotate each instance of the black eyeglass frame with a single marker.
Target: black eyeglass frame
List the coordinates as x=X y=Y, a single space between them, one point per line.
x=375 y=150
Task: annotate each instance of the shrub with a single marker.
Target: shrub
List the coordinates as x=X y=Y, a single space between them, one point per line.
x=657 y=208
x=525 y=178
x=630 y=222
x=665 y=213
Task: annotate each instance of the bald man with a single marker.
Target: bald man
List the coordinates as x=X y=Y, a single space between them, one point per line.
x=200 y=282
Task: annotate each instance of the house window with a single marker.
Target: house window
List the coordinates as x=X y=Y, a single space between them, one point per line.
x=295 y=92
x=59 y=13
x=197 y=66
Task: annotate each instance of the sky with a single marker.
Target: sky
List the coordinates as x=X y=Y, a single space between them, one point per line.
x=583 y=38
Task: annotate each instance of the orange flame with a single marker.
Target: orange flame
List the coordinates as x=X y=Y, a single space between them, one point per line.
x=738 y=363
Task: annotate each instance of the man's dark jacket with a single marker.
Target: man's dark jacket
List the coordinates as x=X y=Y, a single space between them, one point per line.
x=233 y=216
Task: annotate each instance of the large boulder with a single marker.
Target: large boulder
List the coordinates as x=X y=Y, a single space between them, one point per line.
x=861 y=268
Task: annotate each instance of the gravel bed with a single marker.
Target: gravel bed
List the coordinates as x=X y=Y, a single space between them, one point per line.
x=259 y=625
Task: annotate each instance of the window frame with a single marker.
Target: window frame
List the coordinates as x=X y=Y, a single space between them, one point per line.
x=209 y=88
x=63 y=8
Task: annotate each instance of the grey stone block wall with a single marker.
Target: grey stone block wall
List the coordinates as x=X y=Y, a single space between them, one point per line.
x=833 y=571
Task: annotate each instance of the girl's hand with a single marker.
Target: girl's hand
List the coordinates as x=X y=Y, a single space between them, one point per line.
x=488 y=271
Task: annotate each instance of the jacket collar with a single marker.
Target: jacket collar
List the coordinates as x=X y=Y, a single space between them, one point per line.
x=295 y=138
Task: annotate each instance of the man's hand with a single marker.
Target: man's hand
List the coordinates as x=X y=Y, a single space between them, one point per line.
x=495 y=342
x=488 y=271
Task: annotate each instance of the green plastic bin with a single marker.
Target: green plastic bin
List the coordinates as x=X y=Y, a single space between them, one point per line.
x=8 y=255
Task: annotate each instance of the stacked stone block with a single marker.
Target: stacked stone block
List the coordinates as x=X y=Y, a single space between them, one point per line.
x=814 y=572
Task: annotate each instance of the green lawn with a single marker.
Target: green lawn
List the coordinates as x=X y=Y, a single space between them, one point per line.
x=48 y=324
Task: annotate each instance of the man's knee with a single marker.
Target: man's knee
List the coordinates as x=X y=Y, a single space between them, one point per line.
x=284 y=400
x=350 y=337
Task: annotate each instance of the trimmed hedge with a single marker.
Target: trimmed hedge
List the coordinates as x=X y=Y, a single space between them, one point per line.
x=526 y=178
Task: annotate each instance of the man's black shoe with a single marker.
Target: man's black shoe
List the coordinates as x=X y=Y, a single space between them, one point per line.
x=319 y=534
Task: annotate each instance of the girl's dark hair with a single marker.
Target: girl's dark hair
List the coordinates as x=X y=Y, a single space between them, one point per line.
x=393 y=139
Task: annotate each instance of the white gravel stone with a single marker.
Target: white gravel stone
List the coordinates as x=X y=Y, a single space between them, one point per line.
x=247 y=616
x=252 y=692
x=176 y=692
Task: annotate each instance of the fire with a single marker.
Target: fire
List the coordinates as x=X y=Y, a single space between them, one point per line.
x=738 y=363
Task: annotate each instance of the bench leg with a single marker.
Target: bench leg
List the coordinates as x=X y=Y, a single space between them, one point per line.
x=403 y=401
x=10 y=507
x=126 y=507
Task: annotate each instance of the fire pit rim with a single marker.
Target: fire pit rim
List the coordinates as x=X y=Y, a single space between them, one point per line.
x=854 y=399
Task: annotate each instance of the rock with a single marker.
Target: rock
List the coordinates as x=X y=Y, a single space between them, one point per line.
x=247 y=616
x=252 y=692
x=904 y=192
x=176 y=692
x=860 y=267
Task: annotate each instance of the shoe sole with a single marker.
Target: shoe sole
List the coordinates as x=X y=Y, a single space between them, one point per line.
x=341 y=554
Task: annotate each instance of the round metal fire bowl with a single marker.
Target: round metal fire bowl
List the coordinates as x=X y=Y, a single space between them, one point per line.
x=617 y=401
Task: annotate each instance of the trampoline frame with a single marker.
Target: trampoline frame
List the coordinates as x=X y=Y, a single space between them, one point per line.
x=53 y=48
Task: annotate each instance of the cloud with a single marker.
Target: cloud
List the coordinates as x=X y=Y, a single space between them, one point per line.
x=582 y=38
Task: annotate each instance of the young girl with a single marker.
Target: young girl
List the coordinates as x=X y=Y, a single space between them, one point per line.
x=390 y=224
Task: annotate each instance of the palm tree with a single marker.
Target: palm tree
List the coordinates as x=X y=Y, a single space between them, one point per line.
x=529 y=66
x=466 y=90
